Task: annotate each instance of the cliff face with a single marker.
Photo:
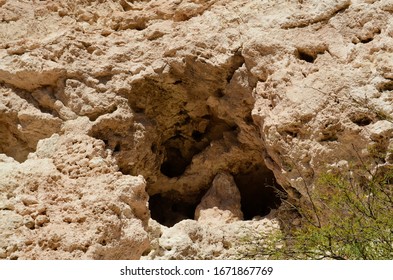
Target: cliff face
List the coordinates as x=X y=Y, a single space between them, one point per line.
x=155 y=129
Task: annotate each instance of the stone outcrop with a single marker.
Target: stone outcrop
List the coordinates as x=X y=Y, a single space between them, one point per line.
x=68 y=201
x=190 y=239
x=128 y=128
x=221 y=203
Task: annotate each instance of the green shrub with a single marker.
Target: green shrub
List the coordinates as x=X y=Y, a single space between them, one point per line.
x=349 y=216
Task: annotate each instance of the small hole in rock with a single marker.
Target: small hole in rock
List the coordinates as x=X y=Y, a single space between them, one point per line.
x=329 y=137
x=291 y=133
x=140 y=27
x=258 y=190
x=366 y=40
x=249 y=120
x=146 y=252
x=175 y=164
x=197 y=136
x=105 y=79
x=138 y=110
x=386 y=86
x=306 y=56
x=361 y=120
x=169 y=211
x=219 y=93
x=117 y=148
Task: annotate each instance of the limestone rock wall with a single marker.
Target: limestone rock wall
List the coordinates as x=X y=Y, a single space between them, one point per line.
x=68 y=201
x=117 y=116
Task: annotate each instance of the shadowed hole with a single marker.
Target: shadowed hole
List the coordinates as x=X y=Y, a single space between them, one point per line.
x=361 y=119
x=168 y=211
x=306 y=57
x=258 y=190
x=175 y=163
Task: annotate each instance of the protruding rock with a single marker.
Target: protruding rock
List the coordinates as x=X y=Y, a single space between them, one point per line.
x=221 y=203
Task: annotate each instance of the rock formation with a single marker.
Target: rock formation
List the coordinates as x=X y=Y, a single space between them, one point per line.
x=222 y=202
x=126 y=126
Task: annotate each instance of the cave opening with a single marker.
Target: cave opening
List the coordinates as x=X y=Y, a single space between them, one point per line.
x=175 y=163
x=179 y=151
x=168 y=210
x=260 y=193
x=184 y=145
x=192 y=136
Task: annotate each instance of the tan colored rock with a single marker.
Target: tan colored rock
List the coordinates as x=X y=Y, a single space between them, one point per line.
x=29 y=73
x=67 y=211
x=190 y=239
x=104 y=103
x=221 y=203
x=22 y=124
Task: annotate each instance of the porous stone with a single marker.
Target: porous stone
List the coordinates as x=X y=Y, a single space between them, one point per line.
x=129 y=128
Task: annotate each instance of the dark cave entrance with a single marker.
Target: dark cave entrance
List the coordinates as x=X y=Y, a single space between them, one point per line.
x=189 y=114
x=169 y=211
x=182 y=147
x=175 y=163
x=260 y=193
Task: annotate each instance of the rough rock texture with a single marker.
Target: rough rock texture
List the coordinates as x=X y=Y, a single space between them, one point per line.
x=190 y=239
x=106 y=104
x=221 y=203
x=67 y=201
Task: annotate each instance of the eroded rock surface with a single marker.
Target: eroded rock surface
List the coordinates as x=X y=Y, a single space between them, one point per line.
x=221 y=203
x=105 y=105
x=68 y=201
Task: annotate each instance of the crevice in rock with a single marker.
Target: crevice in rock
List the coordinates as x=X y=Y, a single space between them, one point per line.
x=309 y=17
x=342 y=9
x=361 y=119
x=310 y=54
x=11 y=144
x=366 y=38
x=41 y=98
x=126 y=5
x=306 y=57
x=385 y=86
